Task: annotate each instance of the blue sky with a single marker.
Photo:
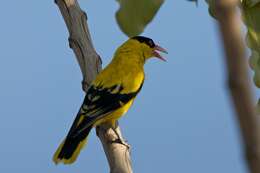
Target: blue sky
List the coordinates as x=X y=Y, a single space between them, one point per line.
x=182 y=120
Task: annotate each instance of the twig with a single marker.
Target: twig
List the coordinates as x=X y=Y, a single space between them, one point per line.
x=238 y=80
x=118 y=155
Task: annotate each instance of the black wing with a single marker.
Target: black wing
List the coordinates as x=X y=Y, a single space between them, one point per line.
x=99 y=102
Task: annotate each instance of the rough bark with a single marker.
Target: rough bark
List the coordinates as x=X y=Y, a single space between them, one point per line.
x=118 y=155
x=238 y=80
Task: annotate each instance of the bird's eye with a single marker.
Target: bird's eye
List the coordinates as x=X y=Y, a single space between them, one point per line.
x=150 y=43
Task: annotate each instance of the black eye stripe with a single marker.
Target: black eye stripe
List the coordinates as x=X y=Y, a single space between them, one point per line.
x=145 y=40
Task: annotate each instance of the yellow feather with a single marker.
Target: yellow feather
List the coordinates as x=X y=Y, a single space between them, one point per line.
x=126 y=70
x=116 y=114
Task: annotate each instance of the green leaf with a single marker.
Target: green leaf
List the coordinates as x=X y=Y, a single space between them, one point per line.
x=251 y=18
x=211 y=8
x=250 y=3
x=134 y=15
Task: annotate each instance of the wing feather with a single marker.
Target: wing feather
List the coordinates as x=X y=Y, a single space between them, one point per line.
x=100 y=101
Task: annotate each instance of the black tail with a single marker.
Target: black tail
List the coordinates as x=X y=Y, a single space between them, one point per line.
x=69 y=150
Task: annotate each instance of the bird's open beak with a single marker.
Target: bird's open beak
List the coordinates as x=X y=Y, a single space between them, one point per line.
x=156 y=54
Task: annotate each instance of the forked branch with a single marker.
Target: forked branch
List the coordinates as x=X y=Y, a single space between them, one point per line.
x=118 y=155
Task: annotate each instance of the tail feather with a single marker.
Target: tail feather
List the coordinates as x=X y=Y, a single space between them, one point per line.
x=70 y=148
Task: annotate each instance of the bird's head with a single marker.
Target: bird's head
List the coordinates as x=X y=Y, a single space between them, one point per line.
x=143 y=46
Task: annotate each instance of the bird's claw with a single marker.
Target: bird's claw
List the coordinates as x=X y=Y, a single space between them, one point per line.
x=121 y=141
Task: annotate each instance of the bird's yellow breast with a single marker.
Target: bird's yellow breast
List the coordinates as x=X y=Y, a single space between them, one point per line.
x=125 y=71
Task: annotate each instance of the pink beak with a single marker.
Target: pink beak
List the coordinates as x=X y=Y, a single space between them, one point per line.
x=156 y=54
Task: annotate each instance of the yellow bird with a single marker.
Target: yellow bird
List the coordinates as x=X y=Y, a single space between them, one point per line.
x=110 y=95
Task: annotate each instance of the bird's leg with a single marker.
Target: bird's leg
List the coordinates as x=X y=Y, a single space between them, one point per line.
x=119 y=139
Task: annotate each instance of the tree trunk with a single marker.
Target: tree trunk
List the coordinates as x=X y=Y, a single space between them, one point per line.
x=238 y=80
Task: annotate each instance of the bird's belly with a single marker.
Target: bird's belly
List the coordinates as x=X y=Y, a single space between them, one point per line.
x=112 y=117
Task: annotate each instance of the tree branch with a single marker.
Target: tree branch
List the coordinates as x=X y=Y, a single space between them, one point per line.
x=118 y=155
x=238 y=80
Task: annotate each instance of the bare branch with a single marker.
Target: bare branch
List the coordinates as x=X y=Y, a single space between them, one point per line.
x=238 y=80
x=118 y=155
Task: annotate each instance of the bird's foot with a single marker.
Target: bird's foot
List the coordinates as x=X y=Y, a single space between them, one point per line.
x=121 y=141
